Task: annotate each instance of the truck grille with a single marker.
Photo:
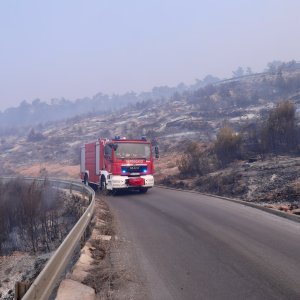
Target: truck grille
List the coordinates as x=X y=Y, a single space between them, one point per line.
x=134 y=169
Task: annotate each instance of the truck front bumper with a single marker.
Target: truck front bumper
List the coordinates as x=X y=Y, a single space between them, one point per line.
x=122 y=182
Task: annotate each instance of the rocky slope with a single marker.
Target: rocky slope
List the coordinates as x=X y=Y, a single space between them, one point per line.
x=273 y=182
x=197 y=116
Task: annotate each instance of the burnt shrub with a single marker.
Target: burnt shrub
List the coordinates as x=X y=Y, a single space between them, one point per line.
x=34 y=136
x=194 y=161
x=279 y=132
x=227 y=146
x=31 y=216
x=227 y=184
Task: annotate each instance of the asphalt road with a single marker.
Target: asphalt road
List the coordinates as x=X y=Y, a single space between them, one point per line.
x=181 y=245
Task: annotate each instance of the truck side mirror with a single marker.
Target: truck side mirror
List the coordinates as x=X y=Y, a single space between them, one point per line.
x=156 y=150
x=115 y=146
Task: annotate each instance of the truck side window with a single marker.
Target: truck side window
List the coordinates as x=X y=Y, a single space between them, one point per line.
x=107 y=151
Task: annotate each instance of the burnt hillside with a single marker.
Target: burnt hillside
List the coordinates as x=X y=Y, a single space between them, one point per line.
x=190 y=115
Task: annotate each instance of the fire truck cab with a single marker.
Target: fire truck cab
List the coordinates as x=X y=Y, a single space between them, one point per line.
x=117 y=164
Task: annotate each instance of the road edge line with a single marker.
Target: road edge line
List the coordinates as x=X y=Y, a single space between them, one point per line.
x=279 y=213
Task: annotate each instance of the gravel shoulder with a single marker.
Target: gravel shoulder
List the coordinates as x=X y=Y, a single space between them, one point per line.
x=102 y=270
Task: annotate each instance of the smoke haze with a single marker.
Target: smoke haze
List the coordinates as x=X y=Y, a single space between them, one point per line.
x=75 y=49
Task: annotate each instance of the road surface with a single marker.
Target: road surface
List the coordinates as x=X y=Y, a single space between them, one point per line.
x=182 y=245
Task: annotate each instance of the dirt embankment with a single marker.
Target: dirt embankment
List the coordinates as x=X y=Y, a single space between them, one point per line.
x=95 y=273
x=19 y=267
x=19 y=262
x=53 y=169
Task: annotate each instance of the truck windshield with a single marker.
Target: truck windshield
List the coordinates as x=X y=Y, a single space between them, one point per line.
x=132 y=150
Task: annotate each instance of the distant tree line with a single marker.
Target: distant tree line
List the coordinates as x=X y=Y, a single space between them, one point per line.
x=203 y=94
x=278 y=66
x=215 y=98
x=39 y=112
x=273 y=67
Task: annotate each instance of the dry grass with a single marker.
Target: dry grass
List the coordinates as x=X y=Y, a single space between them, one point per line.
x=103 y=277
x=166 y=165
x=52 y=169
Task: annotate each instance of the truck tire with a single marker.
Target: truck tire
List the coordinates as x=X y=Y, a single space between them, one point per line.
x=143 y=190
x=86 y=179
x=114 y=192
x=103 y=186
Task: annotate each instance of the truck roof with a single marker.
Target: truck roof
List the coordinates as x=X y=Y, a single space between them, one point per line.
x=130 y=141
x=140 y=141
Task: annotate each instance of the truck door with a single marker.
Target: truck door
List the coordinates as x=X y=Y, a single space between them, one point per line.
x=82 y=159
x=97 y=158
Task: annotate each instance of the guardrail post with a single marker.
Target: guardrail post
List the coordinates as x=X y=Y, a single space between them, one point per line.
x=82 y=194
x=82 y=240
x=20 y=289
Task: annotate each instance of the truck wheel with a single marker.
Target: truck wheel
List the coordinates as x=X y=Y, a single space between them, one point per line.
x=114 y=192
x=86 y=179
x=104 y=187
x=143 y=190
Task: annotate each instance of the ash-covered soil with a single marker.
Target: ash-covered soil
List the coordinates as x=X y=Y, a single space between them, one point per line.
x=22 y=266
x=274 y=182
x=19 y=267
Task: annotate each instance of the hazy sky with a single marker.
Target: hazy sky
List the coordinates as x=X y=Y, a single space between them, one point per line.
x=75 y=48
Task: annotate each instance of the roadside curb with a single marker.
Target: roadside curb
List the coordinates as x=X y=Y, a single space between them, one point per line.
x=279 y=213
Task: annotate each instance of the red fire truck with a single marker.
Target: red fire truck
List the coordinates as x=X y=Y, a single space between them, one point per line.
x=117 y=164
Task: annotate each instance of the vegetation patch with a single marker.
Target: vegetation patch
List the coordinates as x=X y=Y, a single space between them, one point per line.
x=34 y=217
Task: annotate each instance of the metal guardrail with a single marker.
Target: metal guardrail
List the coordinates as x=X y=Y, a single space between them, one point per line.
x=44 y=284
